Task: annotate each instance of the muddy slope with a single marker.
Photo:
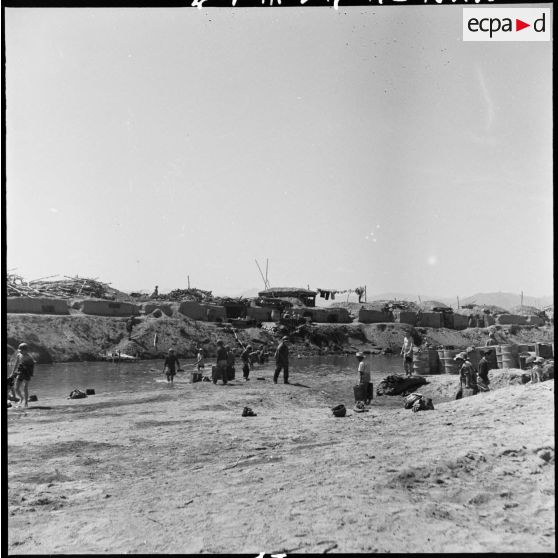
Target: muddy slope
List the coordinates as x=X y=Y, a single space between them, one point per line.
x=79 y=337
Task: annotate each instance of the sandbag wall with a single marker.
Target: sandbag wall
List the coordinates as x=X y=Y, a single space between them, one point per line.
x=193 y=310
x=460 y=321
x=22 y=304
x=215 y=313
x=149 y=307
x=374 y=316
x=511 y=319
x=404 y=317
x=338 y=315
x=535 y=321
x=100 y=307
x=258 y=313
x=431 y=319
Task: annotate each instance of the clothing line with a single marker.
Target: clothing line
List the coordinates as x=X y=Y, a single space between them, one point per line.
x=327 y=293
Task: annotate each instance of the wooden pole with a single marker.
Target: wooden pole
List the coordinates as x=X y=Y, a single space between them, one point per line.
x=458 y=303
x=260 y=270
x=364 y=293
x=266 y=265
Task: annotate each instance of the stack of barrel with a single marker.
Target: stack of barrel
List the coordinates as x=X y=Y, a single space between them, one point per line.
x=507 y=356
x=425 y=361
x=432 y=361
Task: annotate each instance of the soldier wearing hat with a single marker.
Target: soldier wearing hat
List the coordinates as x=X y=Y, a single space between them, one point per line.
x=491 y=339
x=282 y=361
x=484 y=366
x=467 y=373
x=200 y=363
x=364 y=376
x=245 y=357
x=222 y=362
x=407 y=353
x=22 y=372
x=170 y=365
x=536 y=370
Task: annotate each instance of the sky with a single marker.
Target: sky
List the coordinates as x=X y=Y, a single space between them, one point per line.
x=358 y=146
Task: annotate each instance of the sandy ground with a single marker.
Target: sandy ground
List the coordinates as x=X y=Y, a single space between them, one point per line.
x=179 y=470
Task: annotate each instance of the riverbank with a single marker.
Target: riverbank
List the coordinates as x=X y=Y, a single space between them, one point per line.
x=181 y=471
x=79 y=337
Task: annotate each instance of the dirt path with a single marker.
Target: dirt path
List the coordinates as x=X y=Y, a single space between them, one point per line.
x=180 y=471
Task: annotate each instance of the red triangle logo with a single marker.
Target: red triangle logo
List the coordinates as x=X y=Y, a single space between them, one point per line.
x=519 y=25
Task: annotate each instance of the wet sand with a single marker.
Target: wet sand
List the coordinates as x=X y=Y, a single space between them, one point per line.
x=181 y=471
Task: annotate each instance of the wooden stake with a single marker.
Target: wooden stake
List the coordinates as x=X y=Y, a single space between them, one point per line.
x=260 y=270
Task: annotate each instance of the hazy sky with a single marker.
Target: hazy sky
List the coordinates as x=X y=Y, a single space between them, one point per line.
x=354 y=146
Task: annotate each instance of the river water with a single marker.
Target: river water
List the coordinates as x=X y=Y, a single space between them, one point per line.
x=333 y=375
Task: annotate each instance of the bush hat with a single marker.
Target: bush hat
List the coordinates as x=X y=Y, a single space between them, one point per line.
x=22 y=347
x=461 y=356
x=359 y=355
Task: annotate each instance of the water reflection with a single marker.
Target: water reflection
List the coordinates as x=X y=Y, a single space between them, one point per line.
x=333 y=375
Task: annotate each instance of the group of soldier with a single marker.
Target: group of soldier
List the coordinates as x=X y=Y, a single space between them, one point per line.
x=226 y=358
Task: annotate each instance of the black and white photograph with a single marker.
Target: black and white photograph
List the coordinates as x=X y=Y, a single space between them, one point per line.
x=279 y=277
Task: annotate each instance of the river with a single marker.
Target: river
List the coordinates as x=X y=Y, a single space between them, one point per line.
x=333 y=375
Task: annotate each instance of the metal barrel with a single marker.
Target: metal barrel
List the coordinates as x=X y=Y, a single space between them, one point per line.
x=491 y=356
x=449 y=365
x=507 y=356
x=433 y=361
x=421 y=363
x=544 y=350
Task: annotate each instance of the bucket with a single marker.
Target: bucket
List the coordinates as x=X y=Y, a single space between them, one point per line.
x=275 y=315
x=196 y=377
x=449 y=365
x=507 y=356
x=421 y=363
x=360 y=392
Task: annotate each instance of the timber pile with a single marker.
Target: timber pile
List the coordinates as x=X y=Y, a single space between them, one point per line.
x=69 y=287
x=397 y=385
x=179 y=295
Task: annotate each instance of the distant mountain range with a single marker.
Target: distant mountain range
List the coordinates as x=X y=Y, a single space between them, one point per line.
x=503 y=300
